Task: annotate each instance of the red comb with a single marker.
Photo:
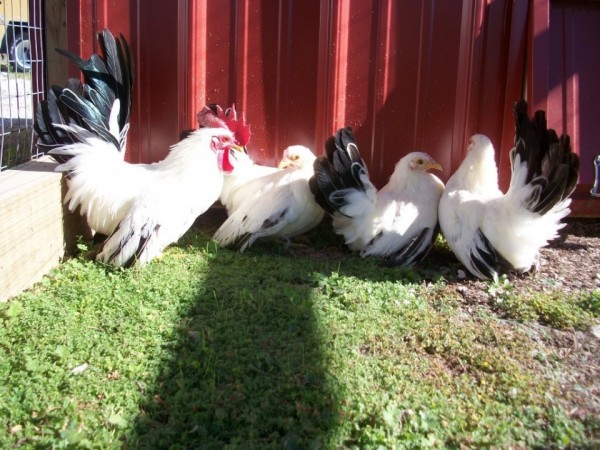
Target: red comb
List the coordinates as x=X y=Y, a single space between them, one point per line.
x=215 y=117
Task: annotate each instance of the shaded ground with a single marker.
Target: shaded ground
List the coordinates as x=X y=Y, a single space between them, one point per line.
x=571 y=264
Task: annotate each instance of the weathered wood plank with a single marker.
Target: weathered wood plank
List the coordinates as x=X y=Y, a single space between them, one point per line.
x=35 y=228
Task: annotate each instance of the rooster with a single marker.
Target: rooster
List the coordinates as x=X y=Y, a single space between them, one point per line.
x=493 y=233
x=278 y=204
x=397 y=223
x=141 y=207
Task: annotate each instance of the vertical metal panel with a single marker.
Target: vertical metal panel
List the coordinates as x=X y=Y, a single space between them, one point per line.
x=157 y=33
x=405 y=75
x=563 y=80
x=425 y=76
x=264 y=57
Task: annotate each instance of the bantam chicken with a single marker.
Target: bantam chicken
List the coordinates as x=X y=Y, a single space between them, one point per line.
x=493 y=233
x=244 y=169
x=397 y=223
x=142 y=207
x=245 y=178
x=281 y=204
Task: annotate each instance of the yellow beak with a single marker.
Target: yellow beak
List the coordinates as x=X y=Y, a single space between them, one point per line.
x=284 y=164
x=238 y=148
x=434 y=165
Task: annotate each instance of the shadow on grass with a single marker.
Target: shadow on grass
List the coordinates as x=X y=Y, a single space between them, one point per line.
x=249 y=365
x=247 y=368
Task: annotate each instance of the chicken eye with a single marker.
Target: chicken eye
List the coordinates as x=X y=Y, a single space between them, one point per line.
x=294 y=157
x=420 y=162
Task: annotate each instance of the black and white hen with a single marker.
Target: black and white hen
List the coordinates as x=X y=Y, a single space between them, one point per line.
x=493 y=233
x=399 y=222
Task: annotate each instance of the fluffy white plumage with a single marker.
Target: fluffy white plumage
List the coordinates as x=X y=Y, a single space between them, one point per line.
x=239 y=185
x=398 y=222
x=244 y=171
x=278 y=204
x=145 y=207
x=493 y=233
x=142 y=207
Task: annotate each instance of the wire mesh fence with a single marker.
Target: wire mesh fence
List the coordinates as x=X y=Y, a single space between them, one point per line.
x=22 y=82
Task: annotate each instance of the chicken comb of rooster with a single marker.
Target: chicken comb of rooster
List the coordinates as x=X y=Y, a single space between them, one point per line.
x=214 y=116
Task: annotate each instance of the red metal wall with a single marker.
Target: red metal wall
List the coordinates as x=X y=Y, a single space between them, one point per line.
x=564 y=76
x=406 y=75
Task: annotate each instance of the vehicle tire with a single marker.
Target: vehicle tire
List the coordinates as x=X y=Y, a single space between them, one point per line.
x=19 y=53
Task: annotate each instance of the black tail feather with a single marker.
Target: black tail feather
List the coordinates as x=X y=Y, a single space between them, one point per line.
x=552 y=167
x=415 y=250
x=342 y=167
x=107 y=76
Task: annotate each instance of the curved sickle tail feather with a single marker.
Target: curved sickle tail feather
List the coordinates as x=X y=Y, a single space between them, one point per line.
x=100 y=105
x=340 y=170
x=552 y=167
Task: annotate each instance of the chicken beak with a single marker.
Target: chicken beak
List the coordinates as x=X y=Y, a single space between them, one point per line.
x=238 y=148
x=434 y=165
x=284 y=164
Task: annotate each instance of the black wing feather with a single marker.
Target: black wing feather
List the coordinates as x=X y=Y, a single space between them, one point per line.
x=486 y=259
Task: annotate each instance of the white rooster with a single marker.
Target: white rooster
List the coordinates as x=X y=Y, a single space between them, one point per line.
x=399 y=222
x=142 y=207
x=493 y=233
x=278 y=204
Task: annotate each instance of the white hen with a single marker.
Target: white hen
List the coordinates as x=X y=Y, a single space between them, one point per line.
x=493 y=233
x=280 y=204
x=244 y=171
x=398 y=222
x=239 y=183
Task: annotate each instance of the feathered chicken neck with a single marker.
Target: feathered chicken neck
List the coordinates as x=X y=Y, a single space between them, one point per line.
x=403 y=179
x=194 y=149
x=478 y=173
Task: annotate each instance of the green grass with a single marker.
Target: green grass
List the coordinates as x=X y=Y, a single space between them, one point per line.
x=207 y=348
x=554 y=308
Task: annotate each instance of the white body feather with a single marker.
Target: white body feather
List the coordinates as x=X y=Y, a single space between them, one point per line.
x=281 y=198
x=236 y=188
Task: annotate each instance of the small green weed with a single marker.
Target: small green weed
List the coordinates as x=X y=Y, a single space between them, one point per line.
x=554 y=308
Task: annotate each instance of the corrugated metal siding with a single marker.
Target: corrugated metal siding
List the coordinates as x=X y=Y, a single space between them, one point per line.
x=563 y=76
x=572 y=94
x=406 y=75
